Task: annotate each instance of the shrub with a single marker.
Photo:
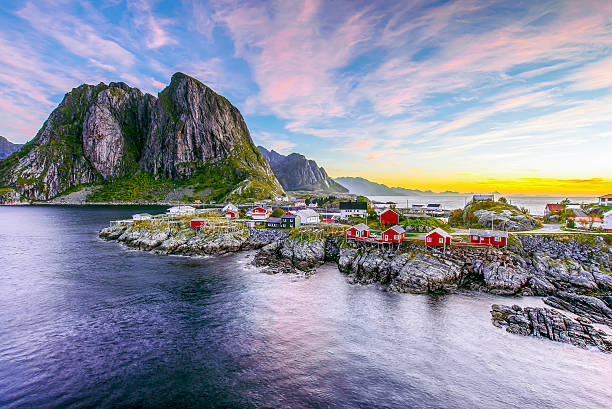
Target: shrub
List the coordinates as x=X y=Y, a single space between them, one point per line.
x=277 y=212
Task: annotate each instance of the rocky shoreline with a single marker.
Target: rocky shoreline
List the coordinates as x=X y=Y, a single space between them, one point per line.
x=573 y=273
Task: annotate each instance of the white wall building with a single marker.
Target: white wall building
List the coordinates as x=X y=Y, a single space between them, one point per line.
x=607 y=221
x=307 y=216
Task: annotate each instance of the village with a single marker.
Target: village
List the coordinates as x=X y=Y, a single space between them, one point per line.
x=384 y=225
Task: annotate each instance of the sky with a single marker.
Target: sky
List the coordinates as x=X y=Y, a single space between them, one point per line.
x=470 y=96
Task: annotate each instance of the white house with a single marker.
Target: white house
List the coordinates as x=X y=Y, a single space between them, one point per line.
x=607 y=221
x=141 y=216
x=605 y=200
x=230 y=208
x=348 y=209
x=307 y=216
x=181 y=210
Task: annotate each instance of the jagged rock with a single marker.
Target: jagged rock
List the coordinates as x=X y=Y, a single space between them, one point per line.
x=500 y=279
x=506 y=219
x=295 y=172
x=426 y=274
x=586 y=306
x=547 y=323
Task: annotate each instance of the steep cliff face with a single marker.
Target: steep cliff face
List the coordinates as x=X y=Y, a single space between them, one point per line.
x=295 y=172
x=103 y=133
x=7 y=147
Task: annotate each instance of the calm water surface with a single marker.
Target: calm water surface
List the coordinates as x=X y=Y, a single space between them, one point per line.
x=87 y=323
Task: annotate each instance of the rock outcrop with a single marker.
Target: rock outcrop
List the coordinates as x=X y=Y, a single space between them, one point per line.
x=490 y=214
x=106 y=132
x=514 y=271
x=550 y=324
x=295 y=172
x=587 y=306
x=185 y=241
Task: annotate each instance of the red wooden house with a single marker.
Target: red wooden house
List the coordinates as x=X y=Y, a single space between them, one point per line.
x=358 y=231
x=231 y=214
x=198 y=222
x=389 y=216
x=438 y=237
x=393 y=234
x=495 y=237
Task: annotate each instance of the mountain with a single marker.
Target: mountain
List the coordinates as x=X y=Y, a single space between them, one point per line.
x=133 y=146
x=364 y=187
x=295 y=172
x=7 y=147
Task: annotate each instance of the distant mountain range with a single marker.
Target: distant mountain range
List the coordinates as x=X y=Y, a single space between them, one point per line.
x=7 y=147
x=364 y=187
x=295 y=172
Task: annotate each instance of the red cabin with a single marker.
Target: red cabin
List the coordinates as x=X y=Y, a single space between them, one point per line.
x=198 y=222
x=495 y=237
x=231 y=215
x=358 y=231
x=389 y=216
x=393 y=234
x=438 y=237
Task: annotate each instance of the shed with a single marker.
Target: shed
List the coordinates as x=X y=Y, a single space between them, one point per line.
x=231 y=214
x=393 y=234
x=358 y=231
x=198 y=222
x=495 y=237
x=389 y=216
x=438 y=237
x=141 y=216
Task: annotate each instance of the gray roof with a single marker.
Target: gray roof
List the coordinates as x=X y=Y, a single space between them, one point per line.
x=397 y=228
x=307 y=213
x=488 y=233
x=361 y=226
x=289 y=216
x=353 y=206
x=441 y=232
x=273 y=220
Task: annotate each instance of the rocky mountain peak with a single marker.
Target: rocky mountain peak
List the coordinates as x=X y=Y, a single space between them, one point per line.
x=296 y=172
x=106 y=132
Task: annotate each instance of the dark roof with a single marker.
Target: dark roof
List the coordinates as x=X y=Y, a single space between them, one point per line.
x=288 y=216
x=353 y=206
x=433 y=205
x=273 y=220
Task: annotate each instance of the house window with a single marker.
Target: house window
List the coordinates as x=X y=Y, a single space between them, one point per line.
x=440 y=241
x=429 y=240
x=396 y=237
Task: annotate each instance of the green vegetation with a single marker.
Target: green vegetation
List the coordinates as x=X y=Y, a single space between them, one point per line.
x=138 y=187
x=277 y=212
x=466 y=218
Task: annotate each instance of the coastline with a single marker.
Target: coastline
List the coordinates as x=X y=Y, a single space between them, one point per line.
x=571 y=273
